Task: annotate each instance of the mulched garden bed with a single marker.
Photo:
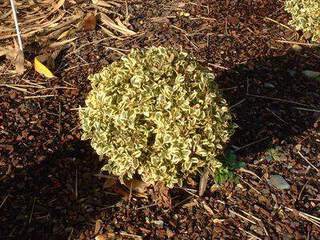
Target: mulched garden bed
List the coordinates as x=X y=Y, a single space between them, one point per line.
x=49 y=185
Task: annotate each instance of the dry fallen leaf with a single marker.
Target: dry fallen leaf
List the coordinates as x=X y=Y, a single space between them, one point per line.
x=42 y=69
x=89 y=22
x=15 y=55
x=136 y=185
x=110 y=183
x=161 y=195
x=117 y=25
x=97 y=227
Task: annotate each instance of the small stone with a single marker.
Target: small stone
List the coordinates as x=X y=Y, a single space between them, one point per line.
x=269 y=85
x=279 y=182
x=158 y=223
x=296 y=47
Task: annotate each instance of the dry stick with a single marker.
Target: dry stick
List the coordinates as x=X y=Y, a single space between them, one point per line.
x=15 y=18
x=30 y=218
x=308 y=109
x=248 y=214
x=249 y=233
x=308 y=217
x=308 y=161
x=17 y=88
x=304 y=186
x=250 y=172
x=130 y=235
x=21 y=85
x=147 y=206
x=278 y=99
x=238 y=103
x=250 y=144
x=59 y=129
x=38 y=96
x=4 y=200
x=250 y=186
x=299 y=43
x=282 y=25
x=239 y=215
x=183 y=201
x=70 y=235
x=276 y=116
x=218 y=66
x=76 y=184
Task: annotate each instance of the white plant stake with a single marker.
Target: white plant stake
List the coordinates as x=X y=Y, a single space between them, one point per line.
x=15 y=18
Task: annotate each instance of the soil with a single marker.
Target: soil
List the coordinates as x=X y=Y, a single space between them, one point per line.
x=49 y=187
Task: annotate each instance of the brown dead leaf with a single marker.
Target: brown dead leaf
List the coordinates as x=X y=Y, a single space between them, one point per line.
x=15 y=55
x=123 y=193
x=116 y=25
x=161 y=195
x=110 y=183
x=97 y=227
x=136 y=185
x=207 y=208
x=89 y=22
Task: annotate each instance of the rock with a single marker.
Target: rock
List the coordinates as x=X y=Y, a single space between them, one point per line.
x=158 y=223
x=279 y=182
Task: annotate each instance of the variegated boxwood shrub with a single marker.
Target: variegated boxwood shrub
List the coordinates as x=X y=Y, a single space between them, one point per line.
x=156 y=113
x=305 y=16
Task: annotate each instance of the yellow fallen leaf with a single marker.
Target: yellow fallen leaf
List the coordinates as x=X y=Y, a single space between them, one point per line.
x=40 y=68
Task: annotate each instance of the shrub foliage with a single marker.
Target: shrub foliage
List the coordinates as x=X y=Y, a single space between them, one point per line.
x=156 y=113
x=305 y=16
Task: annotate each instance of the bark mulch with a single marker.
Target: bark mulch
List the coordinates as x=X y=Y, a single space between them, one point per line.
x=49 y=185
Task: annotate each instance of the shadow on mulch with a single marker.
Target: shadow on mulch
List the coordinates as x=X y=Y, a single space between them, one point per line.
x=62 y=194
x=272 y=100
x=52 y=199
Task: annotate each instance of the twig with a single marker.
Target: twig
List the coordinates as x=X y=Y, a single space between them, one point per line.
x=76 y=184
x=276 y=116
x=104 y=176
x=304 y=158
x=218 y=66
x=250 y=172
x=59 y=129
x=16 y=88
x=70 y=235
x=147 y=206
x=304 y=186
x=38 y=96
x=250 y=144
x=278 y=99
x=131 y=235
x=308 y=109
x=248 y=214
x=239 y=215
x=308 y=217
x=15 y=18
x=249 y=233
x=30 y=218
x=299 y=43
x=4 y=200
x=282 y=25
x=250 y=186
x=183 y=201
x=238 y=103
